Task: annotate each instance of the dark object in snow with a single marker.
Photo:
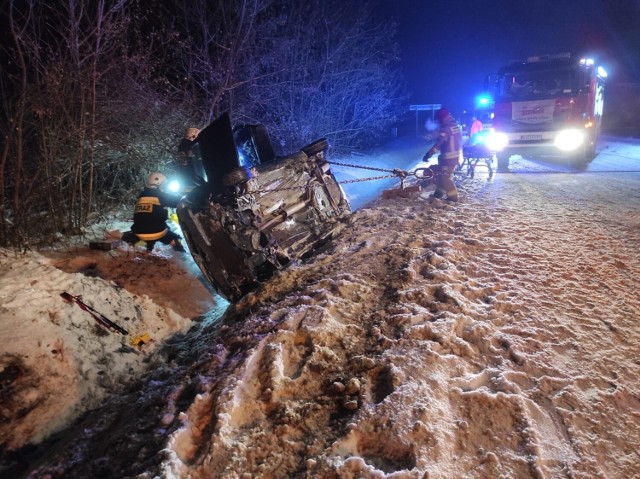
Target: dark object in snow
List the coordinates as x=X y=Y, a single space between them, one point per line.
x=99 y=317
x=105 y=245
x=257 y=212
x=406 y=192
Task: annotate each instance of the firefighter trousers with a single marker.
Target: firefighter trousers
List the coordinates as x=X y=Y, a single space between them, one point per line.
x=444 y=182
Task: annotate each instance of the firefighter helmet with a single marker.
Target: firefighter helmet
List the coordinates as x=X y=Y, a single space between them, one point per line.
x=155 y=180
x=442 y=115
x=191 y=133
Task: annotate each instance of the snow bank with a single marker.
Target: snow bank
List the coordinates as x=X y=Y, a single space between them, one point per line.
x=56 y=361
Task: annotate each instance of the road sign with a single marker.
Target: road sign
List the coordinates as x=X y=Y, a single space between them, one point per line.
x=431 y=107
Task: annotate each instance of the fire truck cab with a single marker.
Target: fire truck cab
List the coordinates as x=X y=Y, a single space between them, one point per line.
x=548 y=105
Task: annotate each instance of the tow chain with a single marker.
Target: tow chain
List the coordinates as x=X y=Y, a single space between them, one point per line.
x=425 y=173
x=419 y=173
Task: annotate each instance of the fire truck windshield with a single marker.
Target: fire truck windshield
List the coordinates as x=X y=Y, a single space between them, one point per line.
x=537 y=85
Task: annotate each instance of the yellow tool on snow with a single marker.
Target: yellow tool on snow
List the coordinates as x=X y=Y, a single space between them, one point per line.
x=140 y=340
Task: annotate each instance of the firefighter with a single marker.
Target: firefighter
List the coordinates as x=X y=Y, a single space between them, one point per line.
x=150 y=216
x=449 y=144
x=189 y=160
x=476 y=127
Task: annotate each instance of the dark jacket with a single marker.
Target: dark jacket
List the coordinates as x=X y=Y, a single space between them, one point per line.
x=188 y=150
x=151 y=213
x=189 y=161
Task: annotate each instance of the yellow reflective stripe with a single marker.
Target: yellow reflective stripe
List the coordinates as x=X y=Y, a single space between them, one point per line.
x=151 y=236
x=451 y=154
x=154 y=200
x=145 y=204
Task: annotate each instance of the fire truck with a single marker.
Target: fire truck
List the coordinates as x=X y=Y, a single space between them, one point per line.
x=549 y=105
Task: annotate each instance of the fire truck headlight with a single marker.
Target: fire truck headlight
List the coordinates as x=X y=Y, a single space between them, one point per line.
x=496 y=141
x=568 y=140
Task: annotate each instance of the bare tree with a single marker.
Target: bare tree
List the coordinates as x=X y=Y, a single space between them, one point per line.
x=330 y=72
x=305 y=69
x=79 y=113
x=52 y=108
x=218 y=42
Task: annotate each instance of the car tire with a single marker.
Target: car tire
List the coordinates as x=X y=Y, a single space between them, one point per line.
x=316 y=147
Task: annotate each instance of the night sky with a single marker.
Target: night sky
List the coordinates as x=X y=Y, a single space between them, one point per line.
x=449 y=46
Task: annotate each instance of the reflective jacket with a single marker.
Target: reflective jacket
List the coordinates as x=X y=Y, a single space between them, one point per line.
x=449 y=143
x=150 y=215
x=476 y=127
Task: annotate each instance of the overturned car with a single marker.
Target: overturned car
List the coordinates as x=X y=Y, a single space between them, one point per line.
x=257 y=212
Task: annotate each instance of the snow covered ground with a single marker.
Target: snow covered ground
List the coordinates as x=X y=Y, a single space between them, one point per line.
x=496 y=337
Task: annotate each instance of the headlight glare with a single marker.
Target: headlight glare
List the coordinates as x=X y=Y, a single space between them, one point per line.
x=569 y=140
x=496 y=141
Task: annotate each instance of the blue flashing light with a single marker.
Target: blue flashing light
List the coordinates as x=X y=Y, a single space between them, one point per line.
x=484 y=101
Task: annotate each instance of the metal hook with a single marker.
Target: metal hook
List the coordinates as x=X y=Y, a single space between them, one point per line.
x=425 y=173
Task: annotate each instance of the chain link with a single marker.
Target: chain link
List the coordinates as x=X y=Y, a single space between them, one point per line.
x=426 y=173
x=396 y=173
x=373 y=168
x=367 y=179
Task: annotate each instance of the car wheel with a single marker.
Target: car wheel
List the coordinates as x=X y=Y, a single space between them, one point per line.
x=237 y=176
x=316 y=147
